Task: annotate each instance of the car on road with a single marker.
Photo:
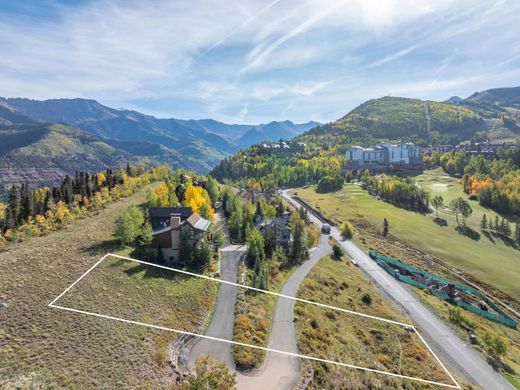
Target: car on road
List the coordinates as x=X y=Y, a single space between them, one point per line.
x=325 y=228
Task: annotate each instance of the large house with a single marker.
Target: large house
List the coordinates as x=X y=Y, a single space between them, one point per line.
x=278 y=225
x=383 y=156
x=169 y=223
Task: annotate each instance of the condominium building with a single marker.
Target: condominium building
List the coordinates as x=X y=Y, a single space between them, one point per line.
x=384 y=155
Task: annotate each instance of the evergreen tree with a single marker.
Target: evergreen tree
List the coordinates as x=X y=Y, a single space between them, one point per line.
x=27 y=204
x=128 y=169
x=88 y=185
x=497 y=224
x=14 y=207
x=299 y=250
x=202 y=256
x=483 y=222
x=386 y=227
x=185 y=249
x=67 y=190
x=507 y=229
x=503 y=227
x=517 y=233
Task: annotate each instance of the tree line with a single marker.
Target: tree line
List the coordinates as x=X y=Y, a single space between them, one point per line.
x=265 y=248
x=495 y=183
x=31 y=212
x=401 y=192
x=255 y=170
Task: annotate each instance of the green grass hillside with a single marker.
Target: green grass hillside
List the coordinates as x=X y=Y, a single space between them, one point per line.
x=393 y=118
x=489 y=261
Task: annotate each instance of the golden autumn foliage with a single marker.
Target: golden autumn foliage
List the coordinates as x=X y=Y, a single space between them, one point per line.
x=198 y=199
x=162 y=195
x=101 y=178
x=2 y=210
x=478 y=185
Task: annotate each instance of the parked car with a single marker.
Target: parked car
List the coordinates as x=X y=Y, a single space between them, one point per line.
x=325 y=228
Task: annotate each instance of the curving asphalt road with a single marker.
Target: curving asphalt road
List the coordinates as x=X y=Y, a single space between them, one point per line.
x=457 y=354
x=279 y=371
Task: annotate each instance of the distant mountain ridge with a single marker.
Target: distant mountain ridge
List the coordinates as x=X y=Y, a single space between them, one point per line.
x=91 y=136
x=397 y=118
x=206 y=140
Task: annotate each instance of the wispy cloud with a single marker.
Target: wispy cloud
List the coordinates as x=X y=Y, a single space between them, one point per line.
x=255 y=60
x=394 y=56
x=260 y=53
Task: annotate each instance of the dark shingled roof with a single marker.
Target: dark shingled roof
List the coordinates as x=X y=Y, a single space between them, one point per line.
x=165 y=212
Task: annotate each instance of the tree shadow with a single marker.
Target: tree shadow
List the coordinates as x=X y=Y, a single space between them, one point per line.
x=489 y=236
x=441 y=222
x=103 y=247
x=468 y=232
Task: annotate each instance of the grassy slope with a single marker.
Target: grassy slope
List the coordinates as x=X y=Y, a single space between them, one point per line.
x=253 y=319
x=367 y=213
x=491 y=262
x=40 y=345
x=352 y=339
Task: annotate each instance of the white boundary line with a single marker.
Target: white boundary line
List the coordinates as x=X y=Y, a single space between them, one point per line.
x=53 y=305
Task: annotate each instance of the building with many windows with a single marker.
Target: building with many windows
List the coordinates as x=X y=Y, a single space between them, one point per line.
x=384 y=156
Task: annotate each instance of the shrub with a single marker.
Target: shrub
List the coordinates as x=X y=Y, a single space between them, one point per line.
x=329 y=184
x=346 y=230
x=366 y=299
x=337 y=251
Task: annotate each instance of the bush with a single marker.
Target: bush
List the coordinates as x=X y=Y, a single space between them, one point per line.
x=366 y=299
x=330 y=184
x=346 y=230
x=337 y=251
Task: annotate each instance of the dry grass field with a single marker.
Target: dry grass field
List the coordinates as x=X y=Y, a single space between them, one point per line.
x=346 y=338
x=50 y=348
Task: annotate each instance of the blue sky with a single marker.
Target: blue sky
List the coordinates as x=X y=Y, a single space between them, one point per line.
x=256 y=61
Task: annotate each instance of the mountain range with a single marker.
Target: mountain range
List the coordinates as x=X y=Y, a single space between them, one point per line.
x=62 y=135
x=494 y=113
x=43 y=140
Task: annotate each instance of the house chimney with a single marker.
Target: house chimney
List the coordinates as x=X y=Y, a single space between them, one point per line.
x=175 y=220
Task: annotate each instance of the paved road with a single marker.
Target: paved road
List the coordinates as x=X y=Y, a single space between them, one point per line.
x=459 y=356
x=281 y=372
x=221 y=324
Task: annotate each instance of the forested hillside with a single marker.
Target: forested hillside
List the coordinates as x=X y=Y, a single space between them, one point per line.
x=385 y=119
x=42 y=154
x=395 y=118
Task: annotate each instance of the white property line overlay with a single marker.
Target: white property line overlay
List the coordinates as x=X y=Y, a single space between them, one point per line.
x=53 y=305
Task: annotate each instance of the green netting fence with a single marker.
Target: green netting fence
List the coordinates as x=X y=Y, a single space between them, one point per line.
x=387 y=262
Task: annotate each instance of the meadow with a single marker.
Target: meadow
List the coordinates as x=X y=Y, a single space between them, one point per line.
x=43 y=347
x=488 y=260
x=366 y=342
